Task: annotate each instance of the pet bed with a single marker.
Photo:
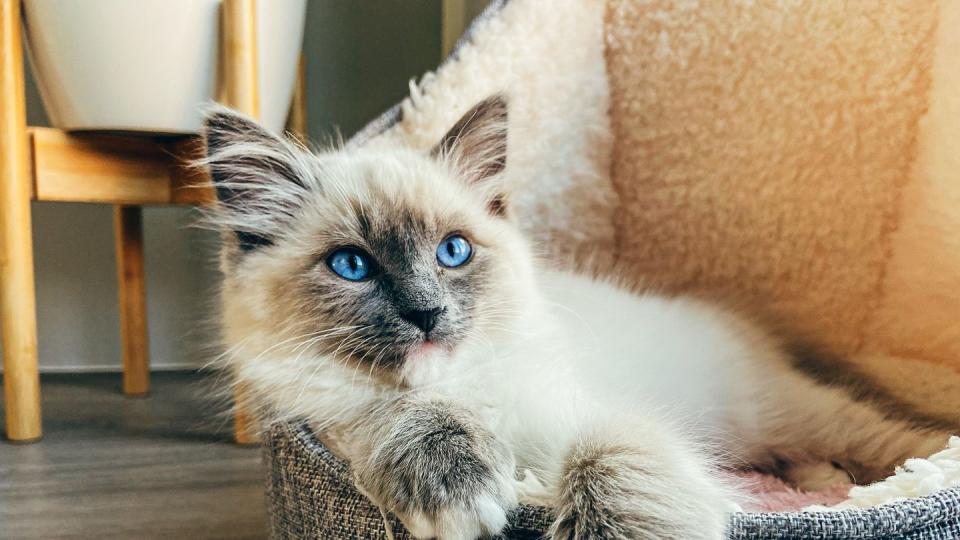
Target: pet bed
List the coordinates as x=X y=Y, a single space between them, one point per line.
x=800 y=157
x=312 y=495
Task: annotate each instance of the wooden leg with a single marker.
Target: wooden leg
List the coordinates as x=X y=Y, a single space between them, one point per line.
x=239 y=27
x=242 y=92
x=128 y=235
x=18 y=309
x=297 y=118
x=246 y=428
x=454 y=21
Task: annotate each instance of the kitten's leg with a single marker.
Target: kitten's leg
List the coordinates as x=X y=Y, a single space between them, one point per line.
x=815 y=475
x=809 y=425
x=643 y=486
x=437 y=468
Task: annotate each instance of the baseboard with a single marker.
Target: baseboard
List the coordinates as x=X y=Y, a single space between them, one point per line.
x=111 y=368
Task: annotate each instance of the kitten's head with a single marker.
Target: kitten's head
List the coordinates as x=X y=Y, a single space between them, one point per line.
x=386 y=260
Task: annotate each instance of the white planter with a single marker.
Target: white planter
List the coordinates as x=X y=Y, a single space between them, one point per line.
x=149 y=65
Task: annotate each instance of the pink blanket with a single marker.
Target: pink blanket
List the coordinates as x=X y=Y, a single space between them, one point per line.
x=772 y=494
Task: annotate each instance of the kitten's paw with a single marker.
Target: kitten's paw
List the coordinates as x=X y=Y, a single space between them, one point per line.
x=816 y=476
x=695 y=522
x=482 y=517
x=468 y=507
x=617 y=493
x=442 y=475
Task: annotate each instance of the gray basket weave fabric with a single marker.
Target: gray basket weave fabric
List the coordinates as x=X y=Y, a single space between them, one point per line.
x=311 y=494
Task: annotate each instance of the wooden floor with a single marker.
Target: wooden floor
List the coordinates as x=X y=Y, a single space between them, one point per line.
x=115 y=467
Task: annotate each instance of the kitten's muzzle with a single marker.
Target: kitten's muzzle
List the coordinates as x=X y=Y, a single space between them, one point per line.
x=424 y=319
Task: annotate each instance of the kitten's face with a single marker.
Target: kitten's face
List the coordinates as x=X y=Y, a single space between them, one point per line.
x=385 y=259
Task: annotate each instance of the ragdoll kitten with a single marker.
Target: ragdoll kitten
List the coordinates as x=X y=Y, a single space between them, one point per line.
x=385 y=295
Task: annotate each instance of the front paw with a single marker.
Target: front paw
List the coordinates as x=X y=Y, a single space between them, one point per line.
x=482 y=516
x=617 y=493
x=442 y=475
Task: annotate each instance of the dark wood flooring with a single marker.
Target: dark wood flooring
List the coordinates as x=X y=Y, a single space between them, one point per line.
x=109 y=466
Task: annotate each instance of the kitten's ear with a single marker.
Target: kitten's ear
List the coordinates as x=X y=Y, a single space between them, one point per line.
x=476 y=146
x=259 y=177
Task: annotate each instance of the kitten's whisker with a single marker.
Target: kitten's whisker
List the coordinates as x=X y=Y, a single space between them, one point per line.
x=377 y=359
x=327 y=335
x=343 y=342
x=227 y=354
x=573 y=312
x=280 y=344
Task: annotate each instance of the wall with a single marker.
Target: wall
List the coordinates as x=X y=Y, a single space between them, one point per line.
x=360 y=56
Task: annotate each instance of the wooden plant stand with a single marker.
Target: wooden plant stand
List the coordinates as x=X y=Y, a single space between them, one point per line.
x=46 y=164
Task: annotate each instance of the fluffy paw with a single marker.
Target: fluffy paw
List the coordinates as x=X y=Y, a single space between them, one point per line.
x=615 y=493
x=485 y=515
x=442 y=475
x=698 y=520
x=463 y=499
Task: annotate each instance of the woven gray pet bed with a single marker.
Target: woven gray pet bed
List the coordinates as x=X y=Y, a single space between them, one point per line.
x=311 y=495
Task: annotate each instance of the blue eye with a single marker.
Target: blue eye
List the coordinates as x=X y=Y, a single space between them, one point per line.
x=454 y=251
x=350 y=263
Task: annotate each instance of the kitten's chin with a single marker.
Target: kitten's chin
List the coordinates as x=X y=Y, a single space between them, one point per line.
x=424 y=363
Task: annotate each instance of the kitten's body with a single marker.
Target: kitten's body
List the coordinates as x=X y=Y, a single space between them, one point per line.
x=621 y=405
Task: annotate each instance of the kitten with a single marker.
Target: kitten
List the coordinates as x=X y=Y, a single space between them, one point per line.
x=385 y=295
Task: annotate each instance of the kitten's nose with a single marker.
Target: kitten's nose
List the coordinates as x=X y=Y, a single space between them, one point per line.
x=424 y=319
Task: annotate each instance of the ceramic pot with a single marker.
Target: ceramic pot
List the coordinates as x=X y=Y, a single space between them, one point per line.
x=150 y=65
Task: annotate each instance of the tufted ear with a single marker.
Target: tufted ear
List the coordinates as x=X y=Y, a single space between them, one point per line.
x=259 y=178
x=476 y=147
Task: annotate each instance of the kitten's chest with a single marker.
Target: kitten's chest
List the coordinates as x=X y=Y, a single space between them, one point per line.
x=490 y=388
